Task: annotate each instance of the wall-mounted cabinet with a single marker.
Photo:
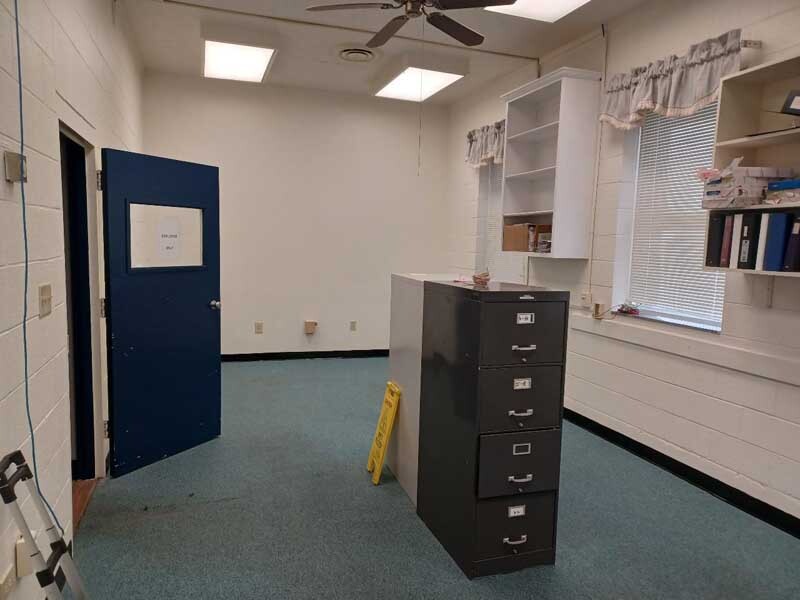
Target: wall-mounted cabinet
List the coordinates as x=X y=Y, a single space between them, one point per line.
x=550 y=157
x=750 y=125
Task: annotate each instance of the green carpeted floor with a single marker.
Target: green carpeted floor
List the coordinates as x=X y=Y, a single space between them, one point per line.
x=281 y=507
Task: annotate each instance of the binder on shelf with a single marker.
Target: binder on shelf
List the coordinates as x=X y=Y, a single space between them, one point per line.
x=751 y=227
x=777 y=236
x=727 y=237
x=716 y=227
x=762 y=241
x=791 y=261
x=736 y=239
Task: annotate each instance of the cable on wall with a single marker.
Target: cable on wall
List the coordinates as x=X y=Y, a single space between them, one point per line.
x=26 y=277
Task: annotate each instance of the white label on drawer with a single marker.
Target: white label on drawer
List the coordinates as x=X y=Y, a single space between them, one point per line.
x=516 y=511
x=521 y=449
x=526 y=318
x=523 y=384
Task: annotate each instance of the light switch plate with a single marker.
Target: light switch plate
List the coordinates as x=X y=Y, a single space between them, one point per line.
x=45 y=300
x=353 y=325
x=259 y=327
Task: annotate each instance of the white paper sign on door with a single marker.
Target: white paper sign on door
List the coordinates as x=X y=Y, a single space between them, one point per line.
x=169 y=238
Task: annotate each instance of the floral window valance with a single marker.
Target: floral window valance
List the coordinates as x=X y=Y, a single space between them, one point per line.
x=486 y=145
x=672 y=87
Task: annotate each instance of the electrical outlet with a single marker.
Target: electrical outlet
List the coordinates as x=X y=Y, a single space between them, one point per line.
x=586 y=299
x=353 y=325
x=259 y=327
x=45 y=300
x=310 y=327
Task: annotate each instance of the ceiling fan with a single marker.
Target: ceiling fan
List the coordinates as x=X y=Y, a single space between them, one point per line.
x=418 y=8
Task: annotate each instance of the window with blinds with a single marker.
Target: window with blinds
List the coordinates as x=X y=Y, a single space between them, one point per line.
x=667 y=260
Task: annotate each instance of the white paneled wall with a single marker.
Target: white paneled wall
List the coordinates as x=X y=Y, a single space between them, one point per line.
x=739 y=422
x=78 y=68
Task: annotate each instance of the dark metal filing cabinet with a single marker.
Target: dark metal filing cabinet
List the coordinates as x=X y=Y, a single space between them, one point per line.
x=490 y=422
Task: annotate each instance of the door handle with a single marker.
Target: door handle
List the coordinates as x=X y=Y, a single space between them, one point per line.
x=527 y=413
x=516 y=479
x=215 y=305
x=518 y=542
x=530 y=348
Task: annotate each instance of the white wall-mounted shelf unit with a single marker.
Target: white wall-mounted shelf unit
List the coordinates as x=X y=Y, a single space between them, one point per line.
x=550 y=156
x=749 y=124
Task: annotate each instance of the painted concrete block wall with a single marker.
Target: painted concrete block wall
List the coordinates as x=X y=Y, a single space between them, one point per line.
x=322 y=196
x=78 y=68
x=725 y=404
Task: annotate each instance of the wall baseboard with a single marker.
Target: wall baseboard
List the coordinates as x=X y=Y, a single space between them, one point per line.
x=300 y=355
x=752 y=506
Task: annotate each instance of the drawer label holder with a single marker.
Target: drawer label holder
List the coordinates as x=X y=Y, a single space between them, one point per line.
x=526 y=318
x=516 y=511
x=522 y=449
x=523 y=383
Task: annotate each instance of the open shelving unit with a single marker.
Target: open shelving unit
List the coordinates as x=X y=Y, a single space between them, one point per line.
x=549 y=168
x=750 y=124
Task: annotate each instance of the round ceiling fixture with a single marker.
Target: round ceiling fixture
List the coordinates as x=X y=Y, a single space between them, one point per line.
x=356 y=54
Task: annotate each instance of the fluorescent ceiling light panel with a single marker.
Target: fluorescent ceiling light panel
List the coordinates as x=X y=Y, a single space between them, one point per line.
x=417 y=84
x=233 y=61
x=540 y=10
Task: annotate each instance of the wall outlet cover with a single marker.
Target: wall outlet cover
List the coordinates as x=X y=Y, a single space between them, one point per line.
x=310 y=327
x=353 y=325
x=586 y=299
x=45 y=300
x=259 y=328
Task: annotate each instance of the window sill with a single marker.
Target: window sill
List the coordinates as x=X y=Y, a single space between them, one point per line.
x=649 y=315
x=770 y=362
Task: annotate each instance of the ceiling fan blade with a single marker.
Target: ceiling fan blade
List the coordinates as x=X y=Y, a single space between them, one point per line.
x=454 y=29
x=455 y=4
x=349 y=5
x=385 y=34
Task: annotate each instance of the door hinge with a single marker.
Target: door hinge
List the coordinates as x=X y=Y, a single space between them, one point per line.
x=99 y=176
x=105 y=430
x=103 y=308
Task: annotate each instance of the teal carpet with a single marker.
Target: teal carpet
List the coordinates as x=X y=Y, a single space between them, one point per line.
x=281 y=507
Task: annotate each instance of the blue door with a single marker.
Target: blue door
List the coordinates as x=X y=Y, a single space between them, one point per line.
x=162 y=306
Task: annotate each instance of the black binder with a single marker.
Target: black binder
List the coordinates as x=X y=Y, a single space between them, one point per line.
x=791 y=261
x=716 y=227
x=748 y=247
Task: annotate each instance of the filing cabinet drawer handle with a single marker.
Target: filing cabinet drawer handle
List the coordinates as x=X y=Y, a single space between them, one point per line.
x=527 y=413
x=518 y=542
x=527 y=479
x=530 y=348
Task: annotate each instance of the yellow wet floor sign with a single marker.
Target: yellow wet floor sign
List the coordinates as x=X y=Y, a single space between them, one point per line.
x=383 y=431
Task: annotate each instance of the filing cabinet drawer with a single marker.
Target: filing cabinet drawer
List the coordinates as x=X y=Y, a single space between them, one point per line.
x=522 y=333
x=507 y=526
x=519 y=398
x=518 y=463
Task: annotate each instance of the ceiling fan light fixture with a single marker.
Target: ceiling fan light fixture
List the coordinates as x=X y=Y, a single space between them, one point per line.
x=550 y=11
x=236 y=61
x=416 y=85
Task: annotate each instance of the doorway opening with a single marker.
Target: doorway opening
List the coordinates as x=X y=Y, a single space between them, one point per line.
x=79 y=323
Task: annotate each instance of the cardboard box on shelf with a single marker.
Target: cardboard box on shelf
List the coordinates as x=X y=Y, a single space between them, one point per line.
x=518 y=237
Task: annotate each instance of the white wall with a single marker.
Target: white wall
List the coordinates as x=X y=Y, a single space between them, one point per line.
x=728 y=404
x=78 y=67
x=320 y=200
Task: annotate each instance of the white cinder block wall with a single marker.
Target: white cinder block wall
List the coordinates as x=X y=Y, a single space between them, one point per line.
x=321 y=198
x=729 y=404
x=78 y=68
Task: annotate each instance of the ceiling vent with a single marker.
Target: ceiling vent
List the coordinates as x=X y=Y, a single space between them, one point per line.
x=356 y=55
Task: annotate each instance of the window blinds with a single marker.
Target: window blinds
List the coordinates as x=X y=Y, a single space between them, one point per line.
x=667 y=259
